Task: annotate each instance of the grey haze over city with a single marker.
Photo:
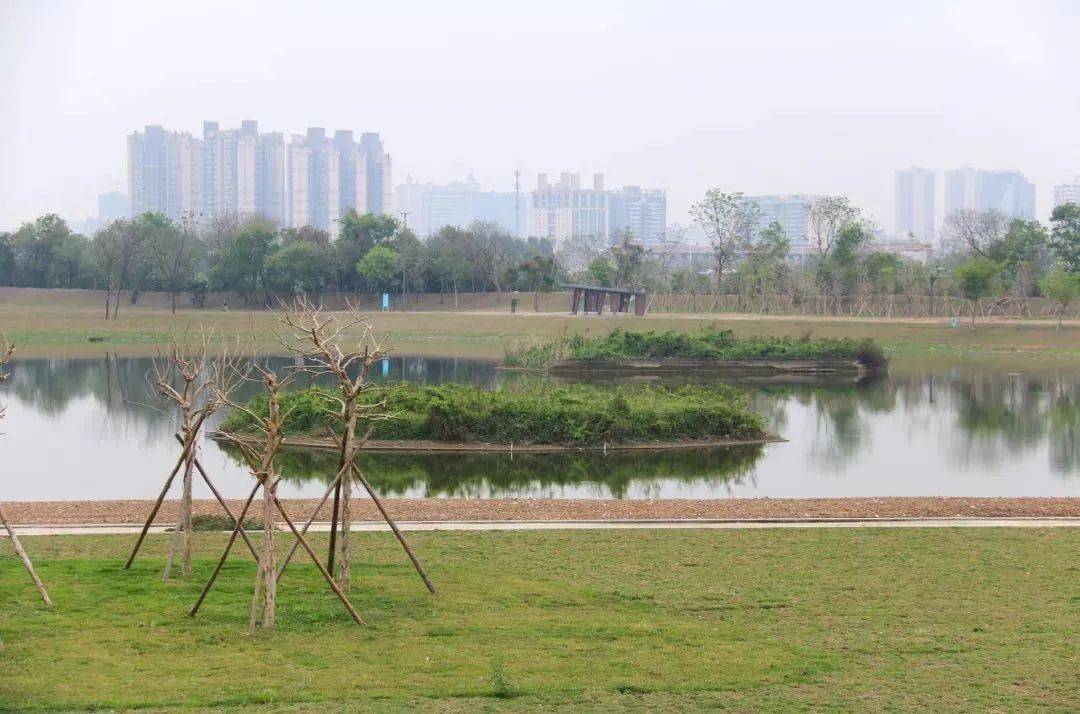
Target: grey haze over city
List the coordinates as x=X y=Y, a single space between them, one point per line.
x=764 y=98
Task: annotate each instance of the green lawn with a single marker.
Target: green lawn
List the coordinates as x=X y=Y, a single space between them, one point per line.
x=782 y=620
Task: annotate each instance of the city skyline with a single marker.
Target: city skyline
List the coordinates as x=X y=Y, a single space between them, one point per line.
x=311 y=180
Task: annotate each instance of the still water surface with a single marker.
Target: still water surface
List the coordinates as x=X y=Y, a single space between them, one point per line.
x=82 y=429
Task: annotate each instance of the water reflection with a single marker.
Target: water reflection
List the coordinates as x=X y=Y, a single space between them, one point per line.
x=617 y=474
x=87 y=428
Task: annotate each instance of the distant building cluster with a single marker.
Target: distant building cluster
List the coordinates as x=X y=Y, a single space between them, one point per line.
x=1067 y=192
x=427 y=207
x=567 y=210
x=558 y=210
x=312 y=179
x=1006 y=192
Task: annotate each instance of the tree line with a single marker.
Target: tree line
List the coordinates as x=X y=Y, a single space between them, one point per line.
x=986 y=255
x=258 y=260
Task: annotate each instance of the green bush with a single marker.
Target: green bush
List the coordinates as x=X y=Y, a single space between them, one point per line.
x=576 y=414
x=709 y=344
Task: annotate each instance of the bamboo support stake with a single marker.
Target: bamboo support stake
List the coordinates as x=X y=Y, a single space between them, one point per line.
x=24 y=558
x=224 y=505
x=304 y=530
x=154 y=510
x=393 y=526
x=315 y=559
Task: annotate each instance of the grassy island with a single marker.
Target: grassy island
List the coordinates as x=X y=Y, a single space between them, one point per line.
x=706 y=346
x=576 y=415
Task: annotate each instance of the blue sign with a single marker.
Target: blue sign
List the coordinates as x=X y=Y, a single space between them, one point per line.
x=385 y=301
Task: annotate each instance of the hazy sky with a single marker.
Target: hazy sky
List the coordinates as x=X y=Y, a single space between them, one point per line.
x=762 y=97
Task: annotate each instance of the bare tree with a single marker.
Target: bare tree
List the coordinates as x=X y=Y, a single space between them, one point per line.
x=576 y=252
x=491 y=250
x=726 y=218
x=108 y=245
x=975 y=230
x=260 y=454
x=317 y=338
x=198 y=386
x=826 y=217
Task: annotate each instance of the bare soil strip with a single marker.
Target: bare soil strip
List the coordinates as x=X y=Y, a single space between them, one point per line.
x=438 y=509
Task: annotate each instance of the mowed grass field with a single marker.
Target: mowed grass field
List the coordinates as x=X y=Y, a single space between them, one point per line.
x=61 y=323
x=778 y=620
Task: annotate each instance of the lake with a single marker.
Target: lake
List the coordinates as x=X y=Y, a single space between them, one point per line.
x=83 y=429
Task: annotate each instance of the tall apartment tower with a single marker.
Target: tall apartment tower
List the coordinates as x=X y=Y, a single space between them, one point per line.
x=313 y=182
x=915 y=203
x=1067 y=192
x=270 y=199
x=163 y=172
x=352 y=174
x=1007 y=192
x=378 y=175
x=227 y=171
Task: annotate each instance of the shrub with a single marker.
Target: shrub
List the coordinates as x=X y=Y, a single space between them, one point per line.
x=709 y=344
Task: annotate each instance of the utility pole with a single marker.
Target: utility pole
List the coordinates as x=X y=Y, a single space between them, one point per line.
x=405 y=217
x=517 y=203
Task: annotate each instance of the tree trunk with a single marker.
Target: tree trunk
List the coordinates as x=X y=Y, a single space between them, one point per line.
x=108 y=297
x=267 y=567
x=185 y=510
x=348 y=437
x=172 y=298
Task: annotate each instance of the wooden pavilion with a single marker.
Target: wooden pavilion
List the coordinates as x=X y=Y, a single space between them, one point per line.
x=591 y=298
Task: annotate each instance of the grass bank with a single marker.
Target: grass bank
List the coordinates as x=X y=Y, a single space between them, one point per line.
x=709 y=344
x=49 y=323
x=539 y=413
x=664 y=620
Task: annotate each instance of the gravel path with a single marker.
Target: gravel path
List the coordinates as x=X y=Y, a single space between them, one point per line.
x=437 y=509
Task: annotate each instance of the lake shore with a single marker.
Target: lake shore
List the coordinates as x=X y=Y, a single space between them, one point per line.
x=534 y=509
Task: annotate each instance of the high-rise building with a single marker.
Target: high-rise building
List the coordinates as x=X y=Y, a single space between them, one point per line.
x=163 y=172
x=352 y=180
x=915 y=203
x=314 y=182
x=270 y=199
x=1006 y=192
x=792 y=212
x=642 y=212
x=566 y=210
x=378 y=175
x=1067 y=192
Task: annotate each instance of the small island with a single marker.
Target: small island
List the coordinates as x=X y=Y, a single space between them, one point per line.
x=709 y=350
x=526 y=418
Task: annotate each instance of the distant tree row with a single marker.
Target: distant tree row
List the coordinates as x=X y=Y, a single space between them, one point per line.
x=257 y=260
x=986 y=256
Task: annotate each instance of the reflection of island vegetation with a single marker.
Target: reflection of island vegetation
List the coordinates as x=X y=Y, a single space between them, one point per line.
x=471 y=475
